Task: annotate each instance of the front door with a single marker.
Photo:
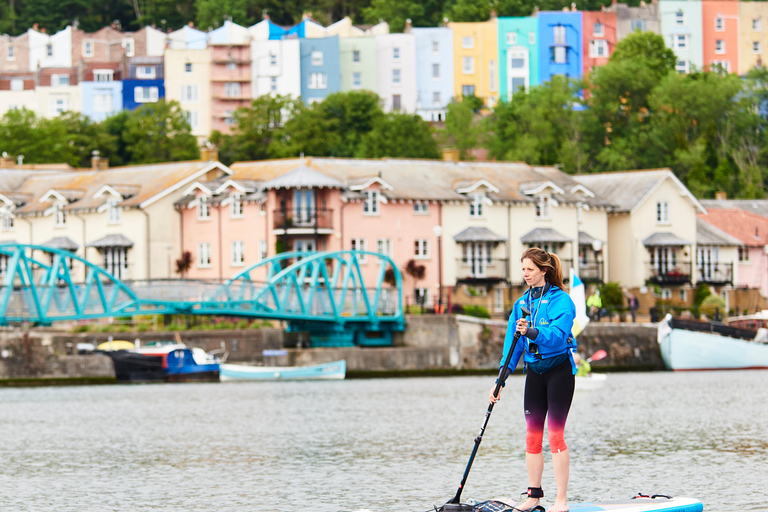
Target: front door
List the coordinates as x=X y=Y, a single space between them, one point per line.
x=707 y=259
x=304 y=245
x=479 y=259
x=303 y=207
x=518 y=76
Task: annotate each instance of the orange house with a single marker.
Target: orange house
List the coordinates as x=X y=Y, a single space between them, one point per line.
x=599 y=33
x=720 y=31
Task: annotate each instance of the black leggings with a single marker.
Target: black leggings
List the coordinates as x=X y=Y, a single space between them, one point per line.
x=550 y=392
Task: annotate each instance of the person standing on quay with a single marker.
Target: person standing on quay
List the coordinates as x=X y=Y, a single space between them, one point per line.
x=547 y=349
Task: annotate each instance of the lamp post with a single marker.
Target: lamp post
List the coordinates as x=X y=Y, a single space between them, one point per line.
x=438 y=231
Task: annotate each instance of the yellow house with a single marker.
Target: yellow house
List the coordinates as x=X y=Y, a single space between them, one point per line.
x=476 y=60
x=188 y=81
x=753 y=34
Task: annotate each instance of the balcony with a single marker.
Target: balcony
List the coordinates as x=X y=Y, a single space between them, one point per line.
x=662 y=272
x=481 y=270
x=591 y=272
x=715 y=273
x=302 y=221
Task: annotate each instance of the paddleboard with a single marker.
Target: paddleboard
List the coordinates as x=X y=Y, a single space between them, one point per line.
x=659 y=504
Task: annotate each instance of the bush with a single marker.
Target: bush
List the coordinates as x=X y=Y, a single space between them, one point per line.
x=142 y=328
x=175 y=327
x=702 y=292
x=478 y=311
x=611 y=295
x=81 y=328
x=221 y=326
x=123 y=328
x=242 y=324
x=711 y=304
x=107 y=328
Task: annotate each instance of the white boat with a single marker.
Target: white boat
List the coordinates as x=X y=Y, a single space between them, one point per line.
x=591 y=381
x=693 y=345
x=335 y=370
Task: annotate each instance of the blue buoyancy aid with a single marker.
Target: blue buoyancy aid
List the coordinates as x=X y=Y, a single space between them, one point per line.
x=552 y=314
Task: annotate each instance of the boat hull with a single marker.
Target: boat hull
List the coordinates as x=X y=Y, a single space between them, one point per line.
x=335 y=370
x=684 y=350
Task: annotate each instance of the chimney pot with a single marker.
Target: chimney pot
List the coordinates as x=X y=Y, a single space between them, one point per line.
x=450 y=155
x=721 y=195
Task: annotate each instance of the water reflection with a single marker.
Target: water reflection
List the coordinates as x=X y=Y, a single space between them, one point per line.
x=382 y=445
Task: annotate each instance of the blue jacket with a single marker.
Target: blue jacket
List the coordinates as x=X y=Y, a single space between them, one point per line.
x=554 y=321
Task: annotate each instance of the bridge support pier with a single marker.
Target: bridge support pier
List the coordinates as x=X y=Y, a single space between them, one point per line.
x=350 y=334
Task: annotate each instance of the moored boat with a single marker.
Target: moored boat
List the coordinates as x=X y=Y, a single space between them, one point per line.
x=164 y=363
x=694 y=345
x=335 y=370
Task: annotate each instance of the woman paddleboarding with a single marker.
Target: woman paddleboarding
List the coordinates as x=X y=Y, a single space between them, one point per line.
x=547 y=349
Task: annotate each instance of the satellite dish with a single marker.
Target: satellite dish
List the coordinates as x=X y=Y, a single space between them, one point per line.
x=597 y=245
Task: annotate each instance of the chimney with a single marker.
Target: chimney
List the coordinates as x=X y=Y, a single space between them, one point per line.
x=493 y=14
x=573 y=6
x=6 y=161
x=408 y=26
x=721 y=195
x=98 y=163
x=535 y=10
x=209 y=152
x=34 y=26
x=450 y=155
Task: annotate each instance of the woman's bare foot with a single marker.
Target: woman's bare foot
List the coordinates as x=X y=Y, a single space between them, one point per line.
x=559 y=506
x=529 y=504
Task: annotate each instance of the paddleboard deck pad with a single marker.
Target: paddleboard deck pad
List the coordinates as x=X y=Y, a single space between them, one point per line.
x=658 y=504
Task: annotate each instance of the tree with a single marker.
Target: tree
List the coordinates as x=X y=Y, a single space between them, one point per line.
x=84 y=137
x=159 y=132
x=184 y=263
x=460 y=131
x=213 y=13
x=646 y=48
x=394 y=12
x=417 y=272
x=399 y=135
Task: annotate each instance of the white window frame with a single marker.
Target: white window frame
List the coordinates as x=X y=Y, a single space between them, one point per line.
x=357 y=80
x=598 y=48
x=49 y=50
x=544 y=208
x=188 y=68
x=422 y=292
x=356 y=56
x=89 y=47
x=384 y=246
x=558 y=34
x=237 y=253
x=680 y=18
x=129 y=46
x=236 y=210
x=318 y=81
x=114 y=212
x=662 y=212
x=149 y=94
x=262 y=250
x=396 y=53
x=725 y=65
x=189 y=93
x=436 y=100
x=103 y=75
x=684 y=68
x=531 y=38
x=17 y=84
x=7 y=222
x=492 y=76
x=468 y=43
x=59 y=216
x=144 y=72
x=360 y=244
x=421 y=249
x=681 y=45
x=317 y=58
x=102 y=101
x=396 y=76
x=193 y=118
x=498 y=300
x=421 y=208
x=757 y=25
x=719 y=24
x=598 y=29
x=511 y=38
x=743 y=254
x=232 y=89
x=204 y=255
x=720 y=46
x=371 y=203
x=757 y=47
x=435 y=46
x=476 y=206
x=468 y=65
x=58 y=80
x=11 y=55
x=203 y=208
x=435 y=71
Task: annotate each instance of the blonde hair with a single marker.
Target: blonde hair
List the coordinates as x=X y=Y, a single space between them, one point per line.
x=547 y=262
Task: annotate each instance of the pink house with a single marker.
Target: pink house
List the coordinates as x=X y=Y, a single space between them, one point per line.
x=308 y=205
x=230 y=83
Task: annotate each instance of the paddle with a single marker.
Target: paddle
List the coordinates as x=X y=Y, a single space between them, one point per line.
x=455 y=504
x=597 y=356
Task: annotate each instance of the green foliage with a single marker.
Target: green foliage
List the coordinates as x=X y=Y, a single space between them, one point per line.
x=175 y=326
x=242 y=324
x=478 y=311
x=711 y=304
x=399 y=135
x=611 y=295
x=223 y=326
x=460 y=130
x=701 y=293
x=81 y=328
x=647 y=49
x=212 y=13
x=395 y=12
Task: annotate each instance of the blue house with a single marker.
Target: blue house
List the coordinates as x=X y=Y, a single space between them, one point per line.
x=560 y=44
x=320 y=68
x=434 y=71
x=102 y=99
x=144 y=82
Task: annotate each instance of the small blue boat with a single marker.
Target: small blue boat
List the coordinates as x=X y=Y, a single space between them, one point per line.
x=335 y=370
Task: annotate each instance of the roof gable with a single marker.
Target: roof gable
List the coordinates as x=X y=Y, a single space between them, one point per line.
x=363 y=183
x=469 y=186
x=532 y=189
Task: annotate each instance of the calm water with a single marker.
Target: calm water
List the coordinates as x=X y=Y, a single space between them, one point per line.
x=382 y=445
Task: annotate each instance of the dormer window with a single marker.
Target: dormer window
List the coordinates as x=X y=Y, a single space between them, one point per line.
x=60 y=216
x=371 y=203
x=203 y=208
x=236 y=206
x=476 y=206
x=542 y=208
x=421 y=208
x=113 y=211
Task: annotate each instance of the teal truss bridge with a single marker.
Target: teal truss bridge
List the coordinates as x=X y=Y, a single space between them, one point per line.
x=329 y=294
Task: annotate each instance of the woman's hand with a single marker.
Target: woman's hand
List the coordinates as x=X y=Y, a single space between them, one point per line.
x=522 y=326
x=493 y=399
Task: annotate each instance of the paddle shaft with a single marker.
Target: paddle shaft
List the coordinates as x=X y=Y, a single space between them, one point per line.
x=503 y=373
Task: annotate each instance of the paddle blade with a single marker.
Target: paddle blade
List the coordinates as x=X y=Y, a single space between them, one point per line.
x=600 y=354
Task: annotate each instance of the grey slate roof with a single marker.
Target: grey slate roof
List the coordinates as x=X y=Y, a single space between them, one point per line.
x=62 y=242
x=587 y=239
x=707 y=234
x=758 y=206
x=478 y=234
x=111 y=241
x=543 y=235
x=302 y=176
x=667 y=239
